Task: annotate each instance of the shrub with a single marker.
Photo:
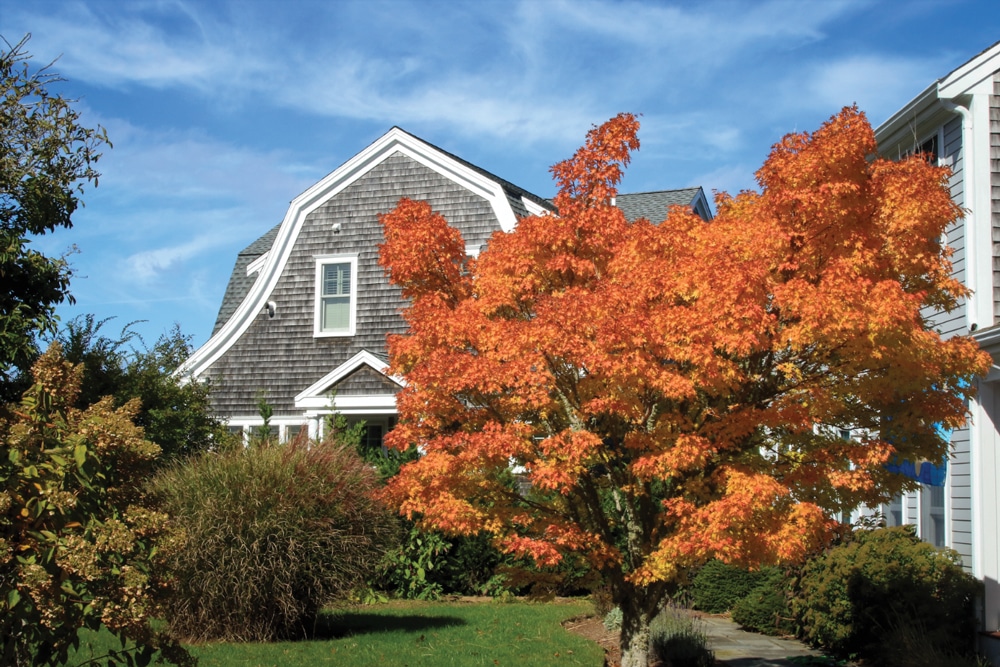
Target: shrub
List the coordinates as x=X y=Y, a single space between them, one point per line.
x=852 y=596
x=676 y=640
x=613 y=619
x=766 y=609
x=174 y=413
x=717 y=586
x=267 y=535
x=77 y=545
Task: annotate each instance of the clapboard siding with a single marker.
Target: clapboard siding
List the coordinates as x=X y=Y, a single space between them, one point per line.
x=959 y=522
x=279 y=357
x=995 y=189
x=951 y=154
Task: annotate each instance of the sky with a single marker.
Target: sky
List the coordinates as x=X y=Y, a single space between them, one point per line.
x=221 y=112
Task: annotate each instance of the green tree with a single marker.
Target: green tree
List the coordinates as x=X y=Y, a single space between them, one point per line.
x=78 y=543
x=46 y=158
x=175 y=414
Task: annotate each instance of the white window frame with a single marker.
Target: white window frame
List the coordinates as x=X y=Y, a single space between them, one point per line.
x=322 y=261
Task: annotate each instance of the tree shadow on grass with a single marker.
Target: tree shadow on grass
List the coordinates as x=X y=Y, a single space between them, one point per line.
x=337 y=625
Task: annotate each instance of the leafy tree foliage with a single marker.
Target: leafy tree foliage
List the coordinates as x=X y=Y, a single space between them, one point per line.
x=674 y=390
x=46 y=157
x=77 y=544
x=175 y=414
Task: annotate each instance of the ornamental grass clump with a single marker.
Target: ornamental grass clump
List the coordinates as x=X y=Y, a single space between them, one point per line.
x=268 y=535
x=678 y=640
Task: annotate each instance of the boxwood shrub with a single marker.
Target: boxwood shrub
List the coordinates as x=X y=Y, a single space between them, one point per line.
x=852 y=597
x=718 y=587
x=766 y=608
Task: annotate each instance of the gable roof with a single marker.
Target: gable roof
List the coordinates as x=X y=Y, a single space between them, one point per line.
x=654 y=205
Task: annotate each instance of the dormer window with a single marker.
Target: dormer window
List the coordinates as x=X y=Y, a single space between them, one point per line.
x=336 y=295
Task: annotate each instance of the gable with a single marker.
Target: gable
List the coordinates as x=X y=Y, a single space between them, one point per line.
x=359 y=380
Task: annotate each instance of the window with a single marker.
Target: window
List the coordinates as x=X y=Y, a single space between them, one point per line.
x=932 y=525
x=336 y=296
x=894 y=511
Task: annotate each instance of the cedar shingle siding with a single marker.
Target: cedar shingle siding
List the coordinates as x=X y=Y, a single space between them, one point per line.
x=279 y=357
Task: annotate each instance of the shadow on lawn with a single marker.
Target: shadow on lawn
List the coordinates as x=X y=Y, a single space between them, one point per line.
x=334 y=626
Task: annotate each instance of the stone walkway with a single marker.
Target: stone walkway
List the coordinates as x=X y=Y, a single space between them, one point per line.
x=737 y=648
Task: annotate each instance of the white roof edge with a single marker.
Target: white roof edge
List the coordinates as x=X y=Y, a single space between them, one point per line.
x=395 y=140
x=256 y=265
x=971 y=73
x=534 y=208
x=914 y=107
x=955 y=84
x=316 y=390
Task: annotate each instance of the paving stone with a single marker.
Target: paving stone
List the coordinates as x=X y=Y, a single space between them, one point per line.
x=737 y=648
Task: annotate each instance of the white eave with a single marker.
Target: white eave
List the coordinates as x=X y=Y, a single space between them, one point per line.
x=271 y=264
x=256 y=265
x=959 y=82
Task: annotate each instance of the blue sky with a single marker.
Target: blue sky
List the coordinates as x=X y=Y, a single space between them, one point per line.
x=221 y=112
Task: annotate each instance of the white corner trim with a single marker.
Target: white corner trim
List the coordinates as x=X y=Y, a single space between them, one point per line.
x=256 y=265
x=392 y=142
x=315 y=396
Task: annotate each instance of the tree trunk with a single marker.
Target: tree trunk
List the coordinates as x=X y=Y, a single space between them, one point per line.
x=635 y=635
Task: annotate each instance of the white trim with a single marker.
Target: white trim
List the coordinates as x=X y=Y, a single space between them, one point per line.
x=971 y=74
x=324 y=260
x=256 y=265
x=392 y=142
x=533 y=208
x=315 y=396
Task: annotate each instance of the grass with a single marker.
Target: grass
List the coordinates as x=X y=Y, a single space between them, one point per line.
x=450 y=634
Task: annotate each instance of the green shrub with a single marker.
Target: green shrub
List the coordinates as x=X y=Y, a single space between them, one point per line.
x=613 y=619
x=766 y=609
x=852 y=596
x=78 y=544
x=718 y=587
x=267 y=536
x=676 y=640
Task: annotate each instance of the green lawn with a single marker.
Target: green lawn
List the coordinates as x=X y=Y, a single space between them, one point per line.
x=422 y=633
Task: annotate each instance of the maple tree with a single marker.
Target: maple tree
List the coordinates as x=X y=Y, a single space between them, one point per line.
x=675 y=392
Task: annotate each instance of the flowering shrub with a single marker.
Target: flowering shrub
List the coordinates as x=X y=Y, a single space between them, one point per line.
x=76 y=542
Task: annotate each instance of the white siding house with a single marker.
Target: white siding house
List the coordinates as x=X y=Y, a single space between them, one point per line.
x=957 y=119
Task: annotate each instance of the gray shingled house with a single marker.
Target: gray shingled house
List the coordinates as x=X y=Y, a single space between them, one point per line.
x=305 y=315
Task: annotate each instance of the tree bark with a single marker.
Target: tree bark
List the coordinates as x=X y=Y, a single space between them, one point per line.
x=635 y=635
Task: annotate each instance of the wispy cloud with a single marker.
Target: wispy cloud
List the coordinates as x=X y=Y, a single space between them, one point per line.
x=499 y=75
x=876 y=83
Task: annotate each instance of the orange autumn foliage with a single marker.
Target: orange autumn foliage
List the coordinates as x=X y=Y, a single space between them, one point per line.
x=674 y=391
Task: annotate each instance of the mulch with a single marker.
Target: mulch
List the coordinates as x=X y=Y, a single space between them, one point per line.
x=591 y=627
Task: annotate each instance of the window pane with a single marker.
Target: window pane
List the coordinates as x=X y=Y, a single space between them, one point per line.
x=336 y=280
x=932 y=515
x=336 y=313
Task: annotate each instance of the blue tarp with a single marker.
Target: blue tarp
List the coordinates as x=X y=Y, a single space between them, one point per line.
x=924 y=472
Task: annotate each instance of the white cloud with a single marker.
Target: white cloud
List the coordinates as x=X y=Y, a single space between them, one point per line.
x=505 y=74
x=147 y=265
x=878 y=84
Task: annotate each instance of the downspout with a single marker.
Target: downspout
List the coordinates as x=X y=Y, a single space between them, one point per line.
x=969 y=195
